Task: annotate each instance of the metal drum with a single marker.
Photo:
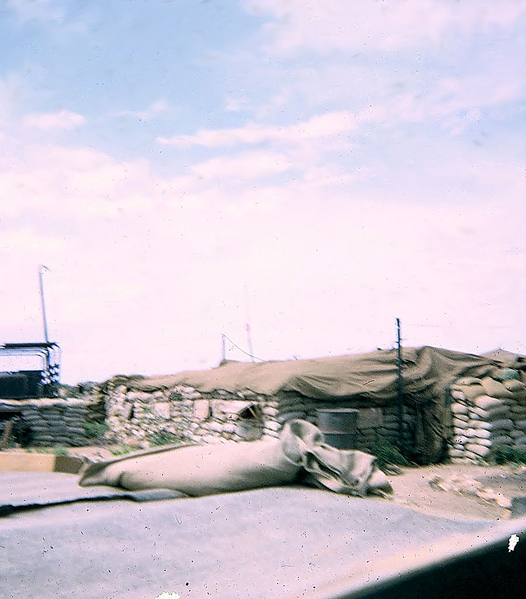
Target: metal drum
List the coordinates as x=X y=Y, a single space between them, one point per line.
x=339 y=427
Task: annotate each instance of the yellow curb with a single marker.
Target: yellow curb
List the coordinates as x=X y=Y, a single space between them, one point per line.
x=39 y=462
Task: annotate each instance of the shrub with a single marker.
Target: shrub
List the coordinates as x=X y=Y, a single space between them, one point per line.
x=509 y=455
x=387 y=455
x=60 y=451
x=123 y=450
x=95 y=430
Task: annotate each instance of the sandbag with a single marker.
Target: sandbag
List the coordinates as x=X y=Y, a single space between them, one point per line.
x=502 y=440
x=489 y=415
x=484 y=442
x=481 y=433
x=495 y=425
x=519 y=395
x=514 y=385
x=478 y=450
x=456 y=453
x=461 y=440
x=484 y=402
x=458 y=408
x=518 y=411
x=465 y=381
x=460 y=421
x=471 y=392
x=197 y=470
x=494 y=388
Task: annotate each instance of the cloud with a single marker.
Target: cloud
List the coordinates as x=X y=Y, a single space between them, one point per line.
x=453 y=104
x=154 y=109
x=329 y=125
x=57 y=120
x=342 y=25
x=45 y=10
x=248 y=165
x=237 y=104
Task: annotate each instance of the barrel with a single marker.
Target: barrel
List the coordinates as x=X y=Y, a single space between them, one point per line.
x=339 y=427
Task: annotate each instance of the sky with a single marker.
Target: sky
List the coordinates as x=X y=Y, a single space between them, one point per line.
x=311 y=169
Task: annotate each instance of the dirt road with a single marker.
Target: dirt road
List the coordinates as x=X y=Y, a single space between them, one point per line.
x=460 y=490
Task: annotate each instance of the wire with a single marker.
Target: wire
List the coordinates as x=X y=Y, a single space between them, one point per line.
x=242 y=350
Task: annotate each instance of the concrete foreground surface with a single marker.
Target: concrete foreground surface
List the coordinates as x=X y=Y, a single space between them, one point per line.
x=269 y=543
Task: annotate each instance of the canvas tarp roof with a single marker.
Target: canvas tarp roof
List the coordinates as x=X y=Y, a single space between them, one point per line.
x=508 y=357
x=372 y=375
x=427 y=373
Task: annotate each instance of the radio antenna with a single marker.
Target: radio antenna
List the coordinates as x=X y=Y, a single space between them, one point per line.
x=41 y=270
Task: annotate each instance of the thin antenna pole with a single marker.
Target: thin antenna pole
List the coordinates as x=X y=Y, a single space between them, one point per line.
x=249 y=332
x=400 y=386
x=41 y=270
x=223 y=347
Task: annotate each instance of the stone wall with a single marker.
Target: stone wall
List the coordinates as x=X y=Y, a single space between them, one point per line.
x=488 y=415
x=53 y=421
x=182 y=414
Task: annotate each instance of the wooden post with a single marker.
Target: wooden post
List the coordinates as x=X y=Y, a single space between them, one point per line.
x=400 y=388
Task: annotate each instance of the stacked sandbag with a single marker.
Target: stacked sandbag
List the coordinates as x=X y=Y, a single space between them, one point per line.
x=292 y=406
x=460 y=422
x=481 y=418
x=517 y=412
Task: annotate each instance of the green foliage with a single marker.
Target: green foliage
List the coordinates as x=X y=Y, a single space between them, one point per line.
x=387 y=455
x=57 y=450
x=164 y=438
x=60 y=451
x=123 y=450
x=509 y=455
x=95 y=430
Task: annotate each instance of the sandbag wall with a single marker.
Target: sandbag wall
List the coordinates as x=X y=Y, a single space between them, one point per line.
x=488 y=414
x=53 y=422
x=377 y=426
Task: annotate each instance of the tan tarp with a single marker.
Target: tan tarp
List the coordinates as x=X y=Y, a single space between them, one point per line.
x=427 y=373
x=198 y=470
x=509 y=358
x=371 y=375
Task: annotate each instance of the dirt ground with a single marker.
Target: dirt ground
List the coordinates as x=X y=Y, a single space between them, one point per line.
x=460 y=490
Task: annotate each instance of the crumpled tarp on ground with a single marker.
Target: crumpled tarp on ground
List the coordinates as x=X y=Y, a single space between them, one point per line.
x=197 y=470
x=427 y=374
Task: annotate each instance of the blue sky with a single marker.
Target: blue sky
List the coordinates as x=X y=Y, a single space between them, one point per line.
x=316 y=168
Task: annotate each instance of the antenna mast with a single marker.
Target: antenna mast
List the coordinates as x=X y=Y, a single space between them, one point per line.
x=41 y=270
